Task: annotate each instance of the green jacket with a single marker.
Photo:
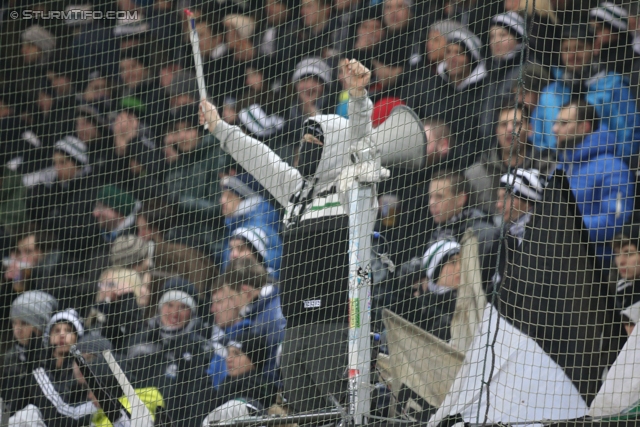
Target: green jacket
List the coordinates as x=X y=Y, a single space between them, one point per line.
x=192 y=180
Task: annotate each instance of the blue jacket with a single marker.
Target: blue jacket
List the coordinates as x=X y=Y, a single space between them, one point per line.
x=610 y=95
x=265 y=315
x=601 y=183
x=255 y=211
x=217 y=369
x=267 y=320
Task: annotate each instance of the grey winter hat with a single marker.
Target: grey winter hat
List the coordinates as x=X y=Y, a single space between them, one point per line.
x=40 y=37
x=128 y=250
x=67 y=316
x=34 y=308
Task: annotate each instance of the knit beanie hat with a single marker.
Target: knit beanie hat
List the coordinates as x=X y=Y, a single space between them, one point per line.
x=513 y=22
x=67 y=316
x=178 y=289
x=446 y=26
x=312 y=66
x=128 y=250
x=39 y=36
x=611 y=14
x=34 y=308
x=525 y=183
x=243 y=184
x=470 y=43
x=74 y=148
x=93 y=343
x=117 y=199
x=436 y=256
x=260 y=121
x=256 y=237
x=253 y=346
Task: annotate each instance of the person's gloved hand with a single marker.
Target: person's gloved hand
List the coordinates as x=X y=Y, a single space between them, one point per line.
x=208 y=115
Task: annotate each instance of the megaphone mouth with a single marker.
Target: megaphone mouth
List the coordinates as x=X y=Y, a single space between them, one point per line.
x=401 y=139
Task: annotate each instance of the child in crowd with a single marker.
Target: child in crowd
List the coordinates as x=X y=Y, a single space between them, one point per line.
x=63 y=331
x=626 y=248
x=30 y=313
x=245 y=391
x=429 y=288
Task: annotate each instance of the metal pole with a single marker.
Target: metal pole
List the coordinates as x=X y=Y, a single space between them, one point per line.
x=361 y=222
x=277 y=420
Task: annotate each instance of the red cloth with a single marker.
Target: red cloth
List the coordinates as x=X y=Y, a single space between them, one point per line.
x=382 y=110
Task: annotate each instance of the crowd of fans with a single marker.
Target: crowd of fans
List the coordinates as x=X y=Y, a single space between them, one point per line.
x=124 y=225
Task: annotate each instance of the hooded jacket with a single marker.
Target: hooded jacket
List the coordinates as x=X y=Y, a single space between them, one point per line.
x=601 y=183
x=314 y=285
x=608 y=92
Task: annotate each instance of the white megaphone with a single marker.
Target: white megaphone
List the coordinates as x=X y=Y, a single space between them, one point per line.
x=401 y=140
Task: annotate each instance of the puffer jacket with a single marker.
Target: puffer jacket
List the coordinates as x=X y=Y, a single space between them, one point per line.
x=601 y=183
x=608 y=92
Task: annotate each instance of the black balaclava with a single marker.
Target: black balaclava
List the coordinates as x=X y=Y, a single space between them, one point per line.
x=310 y=153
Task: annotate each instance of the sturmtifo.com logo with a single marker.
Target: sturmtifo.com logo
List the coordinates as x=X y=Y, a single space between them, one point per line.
x=75 y=14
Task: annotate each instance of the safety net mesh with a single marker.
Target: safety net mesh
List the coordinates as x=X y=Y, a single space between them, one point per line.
x=319 y=212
